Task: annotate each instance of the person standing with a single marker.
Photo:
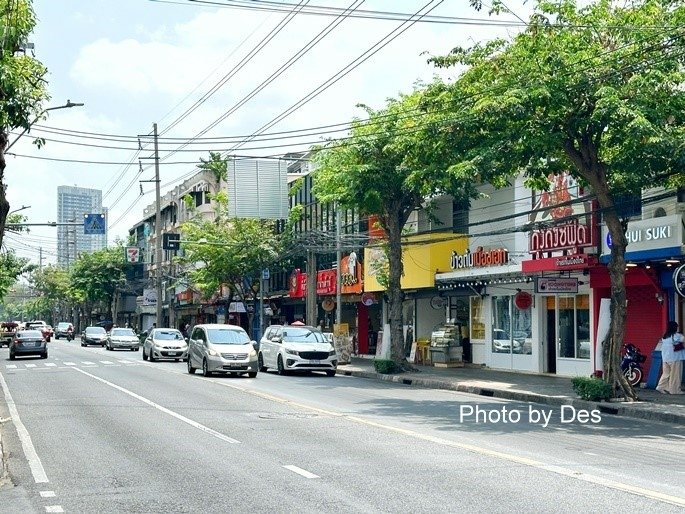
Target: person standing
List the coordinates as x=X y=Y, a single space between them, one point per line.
x=672 y=361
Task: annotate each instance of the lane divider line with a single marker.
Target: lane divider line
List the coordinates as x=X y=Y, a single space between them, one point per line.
x=36 y=466
x=47 y=494
x=300 y=471
x=176 y=415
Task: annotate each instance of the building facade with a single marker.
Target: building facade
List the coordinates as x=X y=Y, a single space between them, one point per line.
x=72 y=204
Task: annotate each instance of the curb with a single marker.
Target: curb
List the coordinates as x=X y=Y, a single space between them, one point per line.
x=614 y=409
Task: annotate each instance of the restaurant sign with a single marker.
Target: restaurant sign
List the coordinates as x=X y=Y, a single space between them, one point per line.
x=479 y=258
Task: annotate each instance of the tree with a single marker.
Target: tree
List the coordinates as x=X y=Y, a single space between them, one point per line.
x=51 y=285
x=393 y=166
x=11 y=267
x=96 y=277
x=594 y=91
x=22 y=84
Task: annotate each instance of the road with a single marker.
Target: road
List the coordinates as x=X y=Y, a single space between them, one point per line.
x=89 y=430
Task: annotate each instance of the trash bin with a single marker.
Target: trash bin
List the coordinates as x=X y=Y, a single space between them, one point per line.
x=654 y=370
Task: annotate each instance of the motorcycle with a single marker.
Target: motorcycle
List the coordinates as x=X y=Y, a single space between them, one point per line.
x=70 y=335
x=631 y=364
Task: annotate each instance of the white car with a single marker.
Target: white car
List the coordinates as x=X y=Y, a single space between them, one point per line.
x=122 y=338
x=501 y=342
x=217 y=348
x=165 y=343
x=298 y=348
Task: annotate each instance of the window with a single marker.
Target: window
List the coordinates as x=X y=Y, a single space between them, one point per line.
x=573 y=317
x=511 y=327
x=477 y=318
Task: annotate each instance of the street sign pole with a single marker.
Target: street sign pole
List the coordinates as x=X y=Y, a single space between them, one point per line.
x=158 y=231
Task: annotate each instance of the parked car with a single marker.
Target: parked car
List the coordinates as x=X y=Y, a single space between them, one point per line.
x=28 y=342
x=64 y=329
x=218 y=348
x=269 y=332
x=94 y=335
x=123 y=338
x=165 y=343
x=298 y=348
x=42 y=326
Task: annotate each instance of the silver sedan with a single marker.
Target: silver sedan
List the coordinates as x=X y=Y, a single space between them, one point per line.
x=165 y=343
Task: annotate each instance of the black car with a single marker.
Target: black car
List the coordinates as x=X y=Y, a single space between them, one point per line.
x=28 y=342
x=94 y=335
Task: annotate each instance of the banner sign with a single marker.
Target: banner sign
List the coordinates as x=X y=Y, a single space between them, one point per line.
x=556 y=285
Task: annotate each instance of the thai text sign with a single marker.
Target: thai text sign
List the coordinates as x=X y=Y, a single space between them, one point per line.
x=479 y=258
x=556 y=285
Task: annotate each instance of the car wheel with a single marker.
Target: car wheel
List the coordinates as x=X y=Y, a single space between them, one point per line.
x=83 y=344
x=144 y=355
x=134 y=349
x=260 y=361
x=191 y=370
x=252 y=374
x=151 y=356
x=185 y=360
x=177 y=360
x=44 y=356
x=330 y=373
x=205 y=369
x=12 y=356
x=281 y=369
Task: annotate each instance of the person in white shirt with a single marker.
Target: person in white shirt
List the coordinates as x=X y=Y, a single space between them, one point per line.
x=672 y=361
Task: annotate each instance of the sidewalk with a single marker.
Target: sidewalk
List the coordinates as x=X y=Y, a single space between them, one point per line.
x=526 y=387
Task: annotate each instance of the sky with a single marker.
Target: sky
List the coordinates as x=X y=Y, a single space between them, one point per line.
x=133 y=63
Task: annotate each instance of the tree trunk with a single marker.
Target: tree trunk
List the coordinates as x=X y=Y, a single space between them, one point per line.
x=395 y=294
x=4 y=204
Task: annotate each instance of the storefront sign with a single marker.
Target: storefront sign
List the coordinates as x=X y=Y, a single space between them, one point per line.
x=326 y=282
x=556 y=285
x=298 y=284
x=368 y=299
x=679 y=280
x=561 y=237
x=523 y=300
x=328 y=304
x=350 y=274
x=650 y=234
x=479 y=258
x=562 y=263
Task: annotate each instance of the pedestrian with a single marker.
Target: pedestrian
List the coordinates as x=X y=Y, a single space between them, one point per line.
x=672 y=357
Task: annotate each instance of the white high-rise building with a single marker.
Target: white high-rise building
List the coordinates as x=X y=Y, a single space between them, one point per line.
x=73 y=203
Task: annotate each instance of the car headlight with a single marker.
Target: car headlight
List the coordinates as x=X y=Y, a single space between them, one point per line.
x=213 y=353
x=331 y=354
x=292 y=352
x=253 y=353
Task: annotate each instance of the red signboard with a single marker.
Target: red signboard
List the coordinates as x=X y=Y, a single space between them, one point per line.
x=561 y=263
x=351 y=274
x=326 y=282
x=298 y=284
x=523 y=300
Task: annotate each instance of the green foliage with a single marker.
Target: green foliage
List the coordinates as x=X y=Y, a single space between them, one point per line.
x=217 y=165
x=11 y=267
x=385 y=367
x=591 y=388
x=96 y=276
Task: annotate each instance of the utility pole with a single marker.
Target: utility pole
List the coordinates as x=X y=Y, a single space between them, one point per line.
x=311 y=310
x=338 y=275
x=158 y=230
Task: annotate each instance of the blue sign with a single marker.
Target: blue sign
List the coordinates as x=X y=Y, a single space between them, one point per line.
x=94 y=224
x=265 y=274
x=609 y=240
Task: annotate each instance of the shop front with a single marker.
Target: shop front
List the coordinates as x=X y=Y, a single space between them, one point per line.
x=653 y=255
x=425 y=307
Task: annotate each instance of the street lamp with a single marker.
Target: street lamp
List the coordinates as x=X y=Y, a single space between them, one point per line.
x=19 y=209
x=67 y=105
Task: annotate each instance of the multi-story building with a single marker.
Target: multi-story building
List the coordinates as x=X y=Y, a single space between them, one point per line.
x=72 y=204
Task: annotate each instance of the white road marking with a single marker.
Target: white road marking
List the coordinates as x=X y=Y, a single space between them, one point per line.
x=70 y=363
x=567 y=472
x=30 y=365
x=34 y=461
x=54 y=508
x=88 y=363
x=301 y=471
x=189 y=421
x=11 y=366
x=47 y=494
x=106 y=362
x=50 y=364
x=590 y=453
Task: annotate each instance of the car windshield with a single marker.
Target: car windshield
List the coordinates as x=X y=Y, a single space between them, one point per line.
x=302 y=335
x=167 y=335
x=95 y=331
x=227 y=336
x=63 y=325
x=29 y=334
x=123 y=332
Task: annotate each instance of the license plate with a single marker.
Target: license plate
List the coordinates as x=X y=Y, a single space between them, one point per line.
x=235 y=364
x=315 y=362
x=173 y=354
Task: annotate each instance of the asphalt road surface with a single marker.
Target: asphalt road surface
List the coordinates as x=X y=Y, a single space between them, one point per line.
x=89 y=431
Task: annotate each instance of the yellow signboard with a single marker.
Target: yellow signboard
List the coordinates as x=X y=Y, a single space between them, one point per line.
x=422 y=256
